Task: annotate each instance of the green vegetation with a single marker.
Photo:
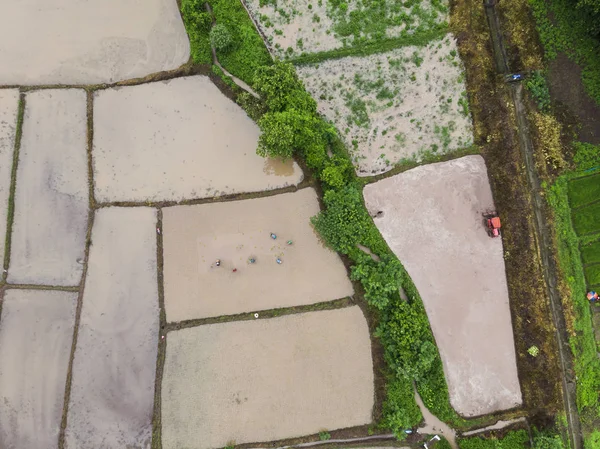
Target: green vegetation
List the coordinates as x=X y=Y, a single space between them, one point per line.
x=220 y=38
x=248 y=51
x=582 y=342
x=367 y=48
x=536 y=84
x=584 y=190
x=592 y=274
x=590 y=253
x=587 y=219
x=324 y=436
x=569 y=31
x=587 y=156
x=409 y=347
x=197 y=24
x=516 y=439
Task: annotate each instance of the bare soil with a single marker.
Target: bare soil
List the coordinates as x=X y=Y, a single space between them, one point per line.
x=9 y=105
x=395 y=106
x=194 y=237
x=75 y=42
x=433 y=220
x=178 y=139
x=264 y=380
x=112 y=390
x=52 y=194
x=36 y=331
x=572 y=102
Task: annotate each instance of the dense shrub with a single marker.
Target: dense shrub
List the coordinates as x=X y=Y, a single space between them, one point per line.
x=538 y=88
x=220 y=38
x=248 y=51
x=197 y=24
x=587 y=156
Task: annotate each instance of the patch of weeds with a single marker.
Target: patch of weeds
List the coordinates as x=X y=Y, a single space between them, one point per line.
x=197 y=23
x=324 y=435
x=537 y=87
x=247 y=52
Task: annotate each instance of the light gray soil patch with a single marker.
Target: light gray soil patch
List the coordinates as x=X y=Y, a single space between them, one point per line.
x=84 y=42
x=112 y=393
x=397 y=105
x=35 y=345
x=433 y=222
x=178 y=139
x=267 y=379
x=234 y=232
x=9 y=105
x=52 y=195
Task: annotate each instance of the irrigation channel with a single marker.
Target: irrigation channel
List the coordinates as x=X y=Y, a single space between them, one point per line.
x=542 y=234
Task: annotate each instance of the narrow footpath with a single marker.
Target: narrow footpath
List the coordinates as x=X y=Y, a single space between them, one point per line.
x=542 y=234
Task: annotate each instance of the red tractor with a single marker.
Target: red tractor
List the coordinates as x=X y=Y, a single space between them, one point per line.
x=493 y=225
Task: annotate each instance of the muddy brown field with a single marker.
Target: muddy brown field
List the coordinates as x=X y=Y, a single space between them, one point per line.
x=195 y=237
x=432 y=218
x=265 y=380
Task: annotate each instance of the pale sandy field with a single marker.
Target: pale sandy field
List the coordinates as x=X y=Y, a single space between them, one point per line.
x=265 y=380
x=9 y=104
x=194 y=237
x=396 y=105
x=36 y=332
x=112 y=394
x=52 y=195
x=178 y=139
x=432 y=220
x=293 y=27
x=87 y=42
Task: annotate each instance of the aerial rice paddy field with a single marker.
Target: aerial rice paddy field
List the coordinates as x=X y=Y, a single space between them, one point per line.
x=394 y=106
x=158 y=345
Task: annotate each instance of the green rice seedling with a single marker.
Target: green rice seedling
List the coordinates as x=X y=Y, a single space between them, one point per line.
x=587 y=219
x=592 y=274
x=590 y=253
x=584 y=190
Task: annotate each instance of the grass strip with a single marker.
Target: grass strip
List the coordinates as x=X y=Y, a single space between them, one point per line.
x=10 y=214
x=418 y=39
x=573 y=290
x=197 y=23
x=584 y=190
x=248 y=51
x=515 y=439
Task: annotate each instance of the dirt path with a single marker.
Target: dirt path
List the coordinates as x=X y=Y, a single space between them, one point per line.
x=542 y=235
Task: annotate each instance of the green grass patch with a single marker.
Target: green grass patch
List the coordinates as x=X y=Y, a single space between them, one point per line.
x=587 y=219
x=247 y=51
x=516 y=439
x=592 y=274
x=197 y=23
x=590 y=253
x=582 y=341
x=568 y=32
x=587 y=156
x=418 y=39
x=584 y=190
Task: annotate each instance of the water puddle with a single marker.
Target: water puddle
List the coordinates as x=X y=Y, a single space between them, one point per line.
x=279 y=167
